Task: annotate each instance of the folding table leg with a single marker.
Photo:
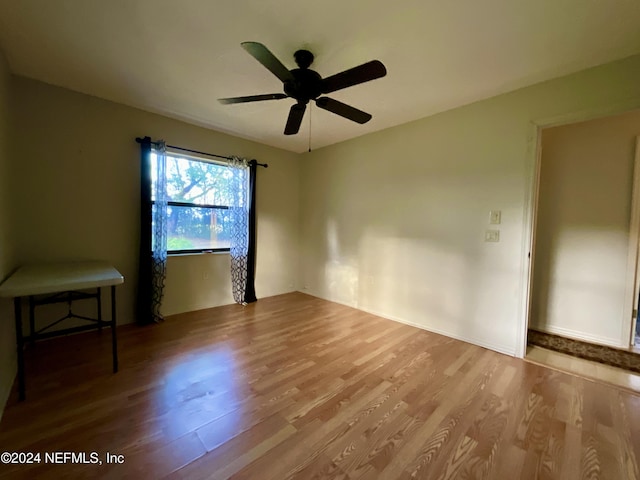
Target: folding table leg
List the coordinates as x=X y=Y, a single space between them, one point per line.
x=20 y=346
x=99 y=300
x=32 y=320
x=114 y=341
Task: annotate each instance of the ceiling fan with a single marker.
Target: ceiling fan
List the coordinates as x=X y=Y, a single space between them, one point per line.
x=303 y=85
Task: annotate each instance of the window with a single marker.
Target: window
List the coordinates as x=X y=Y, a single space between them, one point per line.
x=198 y=205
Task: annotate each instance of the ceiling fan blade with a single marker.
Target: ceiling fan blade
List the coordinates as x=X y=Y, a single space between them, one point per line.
x=252 y=98
x=295 y=118
x=354 y=76
x=268 y=59
x=343 y=110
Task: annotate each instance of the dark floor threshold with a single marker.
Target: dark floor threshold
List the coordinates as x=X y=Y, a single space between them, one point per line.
x=589 y=351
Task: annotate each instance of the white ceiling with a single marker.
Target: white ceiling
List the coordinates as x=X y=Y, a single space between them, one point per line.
x=176 y=57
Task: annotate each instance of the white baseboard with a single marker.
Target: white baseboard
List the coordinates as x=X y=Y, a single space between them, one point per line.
x=575 y=335
x=507 y=350
x=474 y=341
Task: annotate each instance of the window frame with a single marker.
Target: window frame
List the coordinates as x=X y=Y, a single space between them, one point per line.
x=170 y=203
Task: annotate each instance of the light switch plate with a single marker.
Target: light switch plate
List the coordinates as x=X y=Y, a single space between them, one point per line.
x=494 y=217
x=492 y=235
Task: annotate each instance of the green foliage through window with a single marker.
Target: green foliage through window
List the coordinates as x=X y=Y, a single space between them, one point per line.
x=197 y=215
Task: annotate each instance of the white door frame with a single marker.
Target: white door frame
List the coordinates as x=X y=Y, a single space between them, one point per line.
x=534 y=152
x=532 y=183
x=632 y=283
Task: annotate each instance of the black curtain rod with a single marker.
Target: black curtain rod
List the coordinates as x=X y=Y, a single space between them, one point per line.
x=142 y=140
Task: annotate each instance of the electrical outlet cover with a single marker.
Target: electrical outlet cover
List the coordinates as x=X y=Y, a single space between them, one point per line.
x=492 y=235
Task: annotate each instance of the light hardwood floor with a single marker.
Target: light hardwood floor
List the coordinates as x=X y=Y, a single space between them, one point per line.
x=584 y=368
x=297 y=387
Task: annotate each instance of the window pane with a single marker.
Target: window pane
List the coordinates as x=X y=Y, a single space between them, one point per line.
x=192 y=181
x=191 y=228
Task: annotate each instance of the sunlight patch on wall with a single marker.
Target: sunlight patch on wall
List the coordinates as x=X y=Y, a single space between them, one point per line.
x=341 y=277
x=395 y=272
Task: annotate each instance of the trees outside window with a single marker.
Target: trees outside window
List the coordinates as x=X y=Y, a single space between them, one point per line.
x=198 y=203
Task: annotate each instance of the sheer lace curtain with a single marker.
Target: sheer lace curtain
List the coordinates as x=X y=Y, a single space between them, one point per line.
x=159 y=226
x=238 y=198
x=153 y=230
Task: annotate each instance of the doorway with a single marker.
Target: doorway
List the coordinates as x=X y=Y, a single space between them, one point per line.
x=583 y=286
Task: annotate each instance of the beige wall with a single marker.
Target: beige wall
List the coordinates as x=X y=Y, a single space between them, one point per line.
x=582 y=238
x=76 y=178
x=7 y=333
x=393 y=222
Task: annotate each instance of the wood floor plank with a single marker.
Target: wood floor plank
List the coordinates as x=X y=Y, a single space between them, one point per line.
x=317 y=438
x=621 y=422
x=295 y=387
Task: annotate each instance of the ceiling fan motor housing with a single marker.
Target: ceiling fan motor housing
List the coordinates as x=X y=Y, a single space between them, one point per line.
x=306 y=85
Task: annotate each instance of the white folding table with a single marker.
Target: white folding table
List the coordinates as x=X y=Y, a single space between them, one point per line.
x=57 y=283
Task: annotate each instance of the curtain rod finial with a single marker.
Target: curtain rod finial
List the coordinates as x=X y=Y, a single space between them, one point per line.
x=255 y=162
